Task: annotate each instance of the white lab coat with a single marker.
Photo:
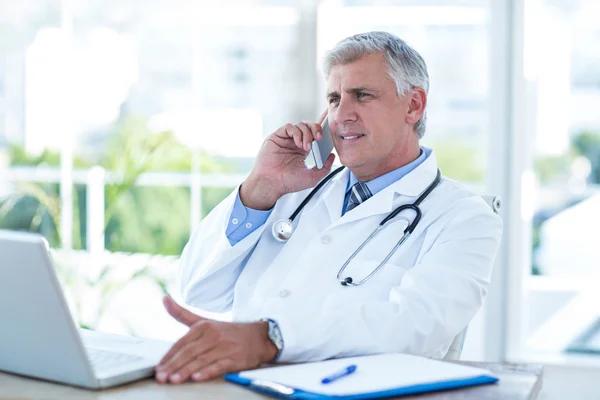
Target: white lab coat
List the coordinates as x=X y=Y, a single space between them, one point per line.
x=416 y=303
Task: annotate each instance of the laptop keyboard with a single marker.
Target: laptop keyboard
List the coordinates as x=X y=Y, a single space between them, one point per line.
x=104 y=359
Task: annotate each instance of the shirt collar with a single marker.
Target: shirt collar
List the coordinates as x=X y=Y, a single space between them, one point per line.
x=383 y=181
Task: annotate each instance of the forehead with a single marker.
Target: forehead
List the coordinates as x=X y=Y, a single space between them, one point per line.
x=368 y=71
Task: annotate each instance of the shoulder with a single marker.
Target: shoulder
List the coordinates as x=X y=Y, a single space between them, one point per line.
x=456 y=203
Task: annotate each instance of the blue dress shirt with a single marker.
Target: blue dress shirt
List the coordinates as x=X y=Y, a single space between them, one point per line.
x=243 y=220
x=385 y=180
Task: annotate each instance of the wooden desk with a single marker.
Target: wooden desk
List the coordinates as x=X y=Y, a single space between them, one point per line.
x=517 y=382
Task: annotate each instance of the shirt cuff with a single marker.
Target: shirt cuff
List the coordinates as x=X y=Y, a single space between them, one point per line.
x=243 y=221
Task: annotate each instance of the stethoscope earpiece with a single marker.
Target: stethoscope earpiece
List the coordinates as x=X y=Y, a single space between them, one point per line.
x=346 y=282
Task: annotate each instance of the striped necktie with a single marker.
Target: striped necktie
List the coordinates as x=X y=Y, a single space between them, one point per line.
x=358 y=193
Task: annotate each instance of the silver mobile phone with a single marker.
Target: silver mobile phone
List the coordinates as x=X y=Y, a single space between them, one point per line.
x=322 y=148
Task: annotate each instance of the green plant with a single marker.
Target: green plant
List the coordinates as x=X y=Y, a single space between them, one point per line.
x=33 y=209
x=553 y=168
x=587 y=144
x=137 y=219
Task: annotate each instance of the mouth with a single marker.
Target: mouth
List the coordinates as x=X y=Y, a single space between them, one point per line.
x=351 y=138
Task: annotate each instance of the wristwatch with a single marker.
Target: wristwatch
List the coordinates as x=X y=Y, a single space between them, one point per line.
x=275 y=336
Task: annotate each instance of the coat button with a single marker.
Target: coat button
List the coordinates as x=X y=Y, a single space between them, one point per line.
x=284 y=293
x=326 y=239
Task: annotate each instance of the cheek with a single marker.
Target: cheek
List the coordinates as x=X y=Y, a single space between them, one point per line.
x=379 y=131
x=333 y=126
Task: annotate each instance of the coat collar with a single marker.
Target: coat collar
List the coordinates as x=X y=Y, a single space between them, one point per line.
x=411 y=186
x=333 y=196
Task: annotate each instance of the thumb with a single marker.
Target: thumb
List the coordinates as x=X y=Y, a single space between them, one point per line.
x=179 y=313
x=319 y=174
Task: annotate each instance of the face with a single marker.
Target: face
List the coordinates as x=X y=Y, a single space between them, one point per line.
x=372 y=127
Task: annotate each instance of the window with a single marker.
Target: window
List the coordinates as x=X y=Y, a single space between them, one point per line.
x=149 y=92
x=453 y=38
x=563 y=62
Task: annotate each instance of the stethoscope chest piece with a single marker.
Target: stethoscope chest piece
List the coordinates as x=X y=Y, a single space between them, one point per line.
x=282 y=230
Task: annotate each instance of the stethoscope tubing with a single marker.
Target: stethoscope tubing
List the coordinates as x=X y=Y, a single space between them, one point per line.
x=283 y=229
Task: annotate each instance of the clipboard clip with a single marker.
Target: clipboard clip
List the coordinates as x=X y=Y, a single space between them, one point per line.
x=274 y=387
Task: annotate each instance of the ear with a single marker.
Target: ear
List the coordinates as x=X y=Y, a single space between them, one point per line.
x=416 y=106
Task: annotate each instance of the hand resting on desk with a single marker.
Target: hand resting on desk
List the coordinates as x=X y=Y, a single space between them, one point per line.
x=212 y=348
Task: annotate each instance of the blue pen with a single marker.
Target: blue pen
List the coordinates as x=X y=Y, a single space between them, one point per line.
x=345 y=372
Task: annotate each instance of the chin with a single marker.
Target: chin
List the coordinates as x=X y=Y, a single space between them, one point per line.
x=350 y=161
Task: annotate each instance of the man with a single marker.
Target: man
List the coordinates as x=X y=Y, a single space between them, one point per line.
x=286 y=298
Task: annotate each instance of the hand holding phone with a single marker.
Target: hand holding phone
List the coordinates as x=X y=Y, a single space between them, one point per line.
x=280 y=166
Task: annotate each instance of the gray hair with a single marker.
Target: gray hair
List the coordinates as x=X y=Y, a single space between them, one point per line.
x=405 y=66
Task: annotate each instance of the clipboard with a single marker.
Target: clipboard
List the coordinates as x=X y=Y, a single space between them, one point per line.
x=279 y=382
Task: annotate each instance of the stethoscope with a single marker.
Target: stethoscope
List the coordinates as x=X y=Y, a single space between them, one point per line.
x=282 y=229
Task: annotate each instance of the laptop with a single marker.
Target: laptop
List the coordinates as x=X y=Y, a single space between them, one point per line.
x=38 y=336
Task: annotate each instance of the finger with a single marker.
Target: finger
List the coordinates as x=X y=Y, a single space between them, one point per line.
x=162 y=369
x=215 y=370
x=174 y=363
x=179 y=313
x=307 y=136
x=294 y=133
x=323 y=116
x=192 y=335
x=319 y=174
x=184 y=356
x=196 y=364
x=315 y=129
x=200 y=343
x=329 y=162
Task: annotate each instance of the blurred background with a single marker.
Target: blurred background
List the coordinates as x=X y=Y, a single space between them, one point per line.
x=124 y=122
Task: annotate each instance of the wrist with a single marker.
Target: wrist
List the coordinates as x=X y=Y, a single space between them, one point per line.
x=269 y=350
x=258 y=195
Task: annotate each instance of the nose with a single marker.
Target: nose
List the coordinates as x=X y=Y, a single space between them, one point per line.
x=345 y=111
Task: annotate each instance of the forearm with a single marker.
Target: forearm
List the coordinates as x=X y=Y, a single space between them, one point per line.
x=210 y=261
x=258 y=194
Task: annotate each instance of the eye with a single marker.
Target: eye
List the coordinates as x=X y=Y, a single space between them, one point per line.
x=361 y=95
x=333 y=100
